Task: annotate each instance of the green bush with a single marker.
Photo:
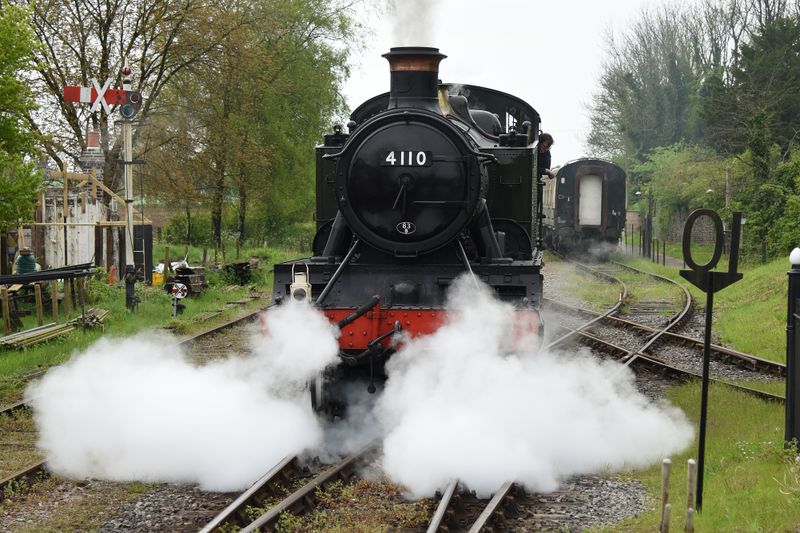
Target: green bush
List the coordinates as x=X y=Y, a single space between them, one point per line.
x=785 y=234
x=200 y=235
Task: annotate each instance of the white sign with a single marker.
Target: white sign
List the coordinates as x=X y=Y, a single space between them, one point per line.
x=179 y=291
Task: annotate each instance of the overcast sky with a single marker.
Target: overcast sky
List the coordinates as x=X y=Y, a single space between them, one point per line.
x=547 y=53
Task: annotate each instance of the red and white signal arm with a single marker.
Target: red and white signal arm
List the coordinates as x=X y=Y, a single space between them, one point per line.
x=179 y=291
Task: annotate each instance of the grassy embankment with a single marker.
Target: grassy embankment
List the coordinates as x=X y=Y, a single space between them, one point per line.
x=752 y=483
x=154 y=311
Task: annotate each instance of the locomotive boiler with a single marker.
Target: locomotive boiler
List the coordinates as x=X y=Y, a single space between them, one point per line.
x=585 y=206
x=431 y=181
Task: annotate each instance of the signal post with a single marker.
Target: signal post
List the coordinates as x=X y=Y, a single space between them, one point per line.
x=129 y=102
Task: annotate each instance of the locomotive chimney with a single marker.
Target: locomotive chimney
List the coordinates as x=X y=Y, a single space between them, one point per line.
x=414 y=77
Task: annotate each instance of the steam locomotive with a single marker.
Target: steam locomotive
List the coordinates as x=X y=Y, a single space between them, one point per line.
x=585 y=206
x=430 y=182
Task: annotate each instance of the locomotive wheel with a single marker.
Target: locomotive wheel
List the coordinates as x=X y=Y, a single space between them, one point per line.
x=318 y=387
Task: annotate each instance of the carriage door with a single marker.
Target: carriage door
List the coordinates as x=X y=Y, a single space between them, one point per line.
x=591 y=200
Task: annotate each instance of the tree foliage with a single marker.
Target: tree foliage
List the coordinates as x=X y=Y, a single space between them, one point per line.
x=263 y=98
x=18 y=176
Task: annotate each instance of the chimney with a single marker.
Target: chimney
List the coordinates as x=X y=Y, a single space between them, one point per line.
x=414 y=77
x=93 y=140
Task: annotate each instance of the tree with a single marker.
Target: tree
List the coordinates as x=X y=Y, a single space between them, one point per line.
x=267 y=91
x=83 y=39
x=19 y=178
x=654 y=87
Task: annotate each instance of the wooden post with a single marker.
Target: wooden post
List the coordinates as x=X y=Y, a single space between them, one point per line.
x=166 y=261
x=689 y=521
x=665 y=466
x=54 y=299
x=82 y=299
x=205 y=256
x=84 y=199
x=691 y=484
x=37 y=288
x=6 y=311
x=67 y=298
x=667 y=512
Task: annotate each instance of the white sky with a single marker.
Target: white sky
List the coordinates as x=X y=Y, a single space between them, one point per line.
x=549 y=53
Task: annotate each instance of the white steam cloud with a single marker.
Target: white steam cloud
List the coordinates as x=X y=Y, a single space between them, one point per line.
x=137 y=409
x=456 y=406
x=471 y=402
x=413 y=22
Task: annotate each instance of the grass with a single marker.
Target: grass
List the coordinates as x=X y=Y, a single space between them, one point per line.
x=154 y=311
x=582 y=286
x=751 y=481
x=600 y=295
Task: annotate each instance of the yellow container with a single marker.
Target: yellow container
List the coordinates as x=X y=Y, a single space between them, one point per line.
x=158 y=278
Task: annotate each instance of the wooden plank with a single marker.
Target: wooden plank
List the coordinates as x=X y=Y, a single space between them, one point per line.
x=6 y=311
x=67 y=297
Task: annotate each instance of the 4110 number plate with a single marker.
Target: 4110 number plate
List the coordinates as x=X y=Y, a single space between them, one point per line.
x=407 y=158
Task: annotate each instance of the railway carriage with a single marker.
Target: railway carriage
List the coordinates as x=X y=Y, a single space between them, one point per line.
x=430 y=181
x=585 y=206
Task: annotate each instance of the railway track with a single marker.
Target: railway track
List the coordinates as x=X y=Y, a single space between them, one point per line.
x=645 y=345
x=257 y=509
x=668 y=338
x=26 y=473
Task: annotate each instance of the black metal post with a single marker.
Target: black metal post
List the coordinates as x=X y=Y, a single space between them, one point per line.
x=641 y=241
x=704 y=392
x=664 y=253
x=792 y=360
x=130 y=287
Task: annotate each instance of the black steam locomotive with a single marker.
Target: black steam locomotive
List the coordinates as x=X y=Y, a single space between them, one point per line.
x=431 y=181
x=585 y=206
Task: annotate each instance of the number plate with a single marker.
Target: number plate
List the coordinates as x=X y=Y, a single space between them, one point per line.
x=407 y=158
